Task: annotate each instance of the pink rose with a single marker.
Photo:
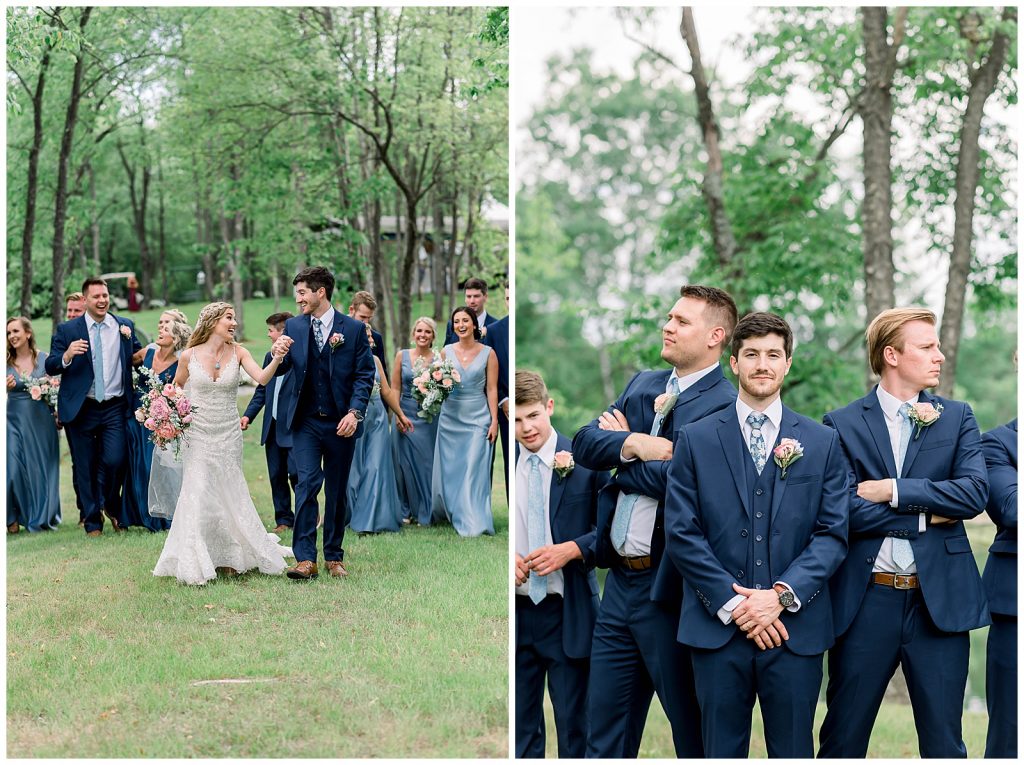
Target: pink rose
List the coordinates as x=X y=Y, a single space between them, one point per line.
x=448 y=383
x=140 y=415
x=422 y=388
x=170 y=390
x=160 y=409
x=563 y=460
x=167 y=431
x=184 y=406
x=186 y=419
x=35 y=392
x=150 y=424
x=787 y=448
x=437 y=375
x=126 y=332
x=926 y=413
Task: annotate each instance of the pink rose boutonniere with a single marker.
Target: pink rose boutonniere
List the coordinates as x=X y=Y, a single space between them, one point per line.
x=126 y=332
x=663 y=404
x=336 y=341
x=563 y=464
x=923 y=415
x=787 y=452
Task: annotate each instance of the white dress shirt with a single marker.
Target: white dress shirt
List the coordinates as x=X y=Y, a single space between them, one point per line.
x=645 y=511
x=326 y=323
x=113 y=385
x=890 y=406
x=555 y=581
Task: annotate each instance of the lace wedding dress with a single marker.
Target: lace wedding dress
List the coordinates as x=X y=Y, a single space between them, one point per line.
x=215 y=523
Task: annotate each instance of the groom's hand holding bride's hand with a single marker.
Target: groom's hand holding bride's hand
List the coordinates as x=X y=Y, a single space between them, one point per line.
x=244 y=422
x=280 y=347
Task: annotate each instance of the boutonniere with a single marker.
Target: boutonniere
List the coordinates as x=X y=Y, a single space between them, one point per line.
x=663 y=404
x=126 y=332
x=336 y=341
x=922 y=415
x=563 y=464
x=787 y=452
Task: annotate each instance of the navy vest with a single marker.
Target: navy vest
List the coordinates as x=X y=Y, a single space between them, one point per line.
x=761 y=488
x=316 y=388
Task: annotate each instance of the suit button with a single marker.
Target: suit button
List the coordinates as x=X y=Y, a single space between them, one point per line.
x=739 y=574
x=743 y=533
x=759 y=492
x=757 y=587
x=758 y=561
x=759 y=538
x=888 y=533
x=758 y=514
x=871 y=559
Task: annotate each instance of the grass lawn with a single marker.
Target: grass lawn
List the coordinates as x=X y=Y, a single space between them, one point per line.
x=406 y=658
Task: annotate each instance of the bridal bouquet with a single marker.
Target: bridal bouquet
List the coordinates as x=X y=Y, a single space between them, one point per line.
x=166 y=412
x=42 y=388
x=432 y=386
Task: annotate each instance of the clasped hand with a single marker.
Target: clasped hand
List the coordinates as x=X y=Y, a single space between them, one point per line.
x=280 y=347
x=641 y=446
x=758 y=616
x=551 y=558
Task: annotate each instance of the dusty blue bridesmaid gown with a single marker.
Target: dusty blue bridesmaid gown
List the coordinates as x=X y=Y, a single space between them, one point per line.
x=461 y=481
x=414 y=454
x=33 y=457
x=372 y=492
x=140 y=459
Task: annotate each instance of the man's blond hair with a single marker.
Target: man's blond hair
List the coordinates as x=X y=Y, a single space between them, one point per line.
x=364 y=298
x=887 y=330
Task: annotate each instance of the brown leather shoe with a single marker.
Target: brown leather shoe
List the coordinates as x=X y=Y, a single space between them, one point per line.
x=304 y=569
x=336 y=568
x=281 y=528
x=94 y=533
x=226 y=570
x=14 y=528
x=113 y=521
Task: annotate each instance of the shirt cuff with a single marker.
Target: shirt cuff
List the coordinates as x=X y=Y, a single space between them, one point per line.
x=625 y=461
x=725 y=612
x=63 y=363
x=922 y=523
x=796 y=601
x=895 y=501
x=503 y=401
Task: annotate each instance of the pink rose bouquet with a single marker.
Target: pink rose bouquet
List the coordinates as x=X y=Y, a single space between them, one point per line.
x=432 y=386
x=166 y=412
x=45 y=388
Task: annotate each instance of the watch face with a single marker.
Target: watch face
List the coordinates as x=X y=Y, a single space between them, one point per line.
x=786 y=598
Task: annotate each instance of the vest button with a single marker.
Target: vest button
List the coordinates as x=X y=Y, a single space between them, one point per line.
x=758 y=561
x=871 y=559
x=758 y=514
x=740 y=573
x=743 y=533
x=757 y=587
x=759 y=492
x=759 y=538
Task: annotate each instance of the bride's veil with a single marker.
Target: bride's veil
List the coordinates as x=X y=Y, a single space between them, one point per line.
x=165 y=479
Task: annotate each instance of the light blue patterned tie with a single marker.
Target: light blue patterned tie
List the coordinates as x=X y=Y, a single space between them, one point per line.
x=318 y=334
x=97 y=363
x=902 y=552
x=536 y=533
x=756 y=445
x=624 y=511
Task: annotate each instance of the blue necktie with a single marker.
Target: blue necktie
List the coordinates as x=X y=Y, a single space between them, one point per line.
x=537 y=531
x=756 y=445
x=902 y=552
x=318 y=334
x=97 y=363
x=624 y=511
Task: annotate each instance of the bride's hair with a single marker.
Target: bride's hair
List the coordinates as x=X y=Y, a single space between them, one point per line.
x=208 y=319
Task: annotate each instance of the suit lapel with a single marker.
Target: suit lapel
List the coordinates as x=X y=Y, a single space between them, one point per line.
x=915 y=443
x=557 y=484
x=875 y=421
x=735 y=452
x=788 y=430
x=658 y=384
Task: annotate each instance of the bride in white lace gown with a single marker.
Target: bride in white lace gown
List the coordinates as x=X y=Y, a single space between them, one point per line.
x=216 y=527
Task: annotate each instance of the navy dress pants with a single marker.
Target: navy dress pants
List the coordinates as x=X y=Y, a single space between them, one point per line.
x=98 y=440
x=322 y=458
x=1001 y=687
x=283 y=478
x=893 y=628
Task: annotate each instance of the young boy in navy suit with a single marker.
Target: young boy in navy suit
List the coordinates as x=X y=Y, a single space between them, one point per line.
x=556 y=589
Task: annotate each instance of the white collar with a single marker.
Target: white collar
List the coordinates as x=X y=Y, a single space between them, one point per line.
x=546 y=452
x=774 y=411
x=108 y=320
x=688 y=380
x=890 y=404
x=327 y=320
x=481 y=318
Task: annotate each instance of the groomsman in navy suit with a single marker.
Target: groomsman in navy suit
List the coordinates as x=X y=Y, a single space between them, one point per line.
x=909 y=591
x=94 y=355
x=497 y=338
x=556 y=589
x=281 y=470
x=635 y=653
x=756 y=515
x=362 y=308
x=1000 y=580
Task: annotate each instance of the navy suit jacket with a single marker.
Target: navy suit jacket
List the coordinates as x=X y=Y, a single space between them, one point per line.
x=943 y=474
x=378 y=349
x=572 y=507
x=450 y=336
x=708 y=523
x=1000 y=577
x=266 y=393
x=351 y=367
x=600 y=449
x=78 y=376
x=497 y=338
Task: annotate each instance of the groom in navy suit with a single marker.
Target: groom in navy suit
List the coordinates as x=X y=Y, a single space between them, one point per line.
x=93 y=353
x=332 y=375
x=909 y=591
x=497 y=338
x=756 y=512
x=635 y=652
x=556 y=589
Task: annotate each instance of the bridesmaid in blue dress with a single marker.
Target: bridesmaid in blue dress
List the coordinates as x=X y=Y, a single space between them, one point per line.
x=33 y=451
x=414 y=448
x=466 y=430
x=173 y=332
x=372 y=491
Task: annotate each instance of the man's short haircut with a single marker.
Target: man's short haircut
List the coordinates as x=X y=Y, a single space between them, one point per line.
x=887 y=329
x=278 y=319
x=721 y=307
x=364 y=298
x=475 y=284
x=316 y=277
x=759 y=324
x=530 y=388
x=74 y=297
x=91 y=281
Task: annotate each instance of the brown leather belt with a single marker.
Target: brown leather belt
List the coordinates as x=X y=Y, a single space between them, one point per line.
x=638 y=563
x=899 y=581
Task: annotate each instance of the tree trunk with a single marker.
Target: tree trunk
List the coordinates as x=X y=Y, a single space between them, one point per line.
x=405 y=271
x=983 y=82
x=439 y=265
x=28 y=233
x=60 y=205
x=139 y=198
x=165 y=291
x=95 y=223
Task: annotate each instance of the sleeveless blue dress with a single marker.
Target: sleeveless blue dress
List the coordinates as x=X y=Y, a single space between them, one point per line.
x=140 y=459
x=33 y=457
x=372 y=493
x=414 y=454
x=461 y=478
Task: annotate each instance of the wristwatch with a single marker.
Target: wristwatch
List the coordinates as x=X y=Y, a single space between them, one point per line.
x=357 y=414
x=786 y=597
